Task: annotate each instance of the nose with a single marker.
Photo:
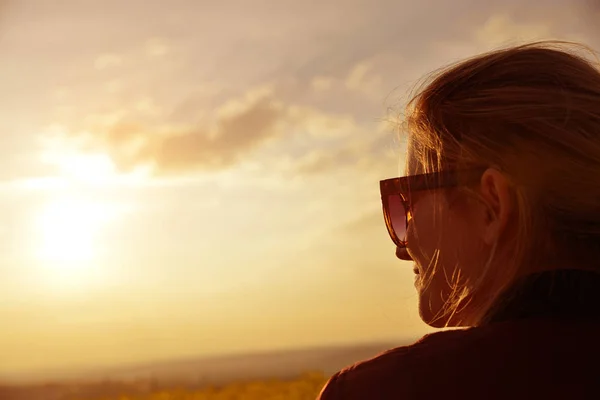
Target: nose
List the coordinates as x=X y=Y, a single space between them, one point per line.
x=402 y=254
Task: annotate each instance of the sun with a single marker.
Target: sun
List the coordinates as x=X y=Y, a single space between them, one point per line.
x=88 y=168
x=69 y=240
x=68 y=229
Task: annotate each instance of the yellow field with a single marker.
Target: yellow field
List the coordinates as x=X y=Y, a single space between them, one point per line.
x=305 y=387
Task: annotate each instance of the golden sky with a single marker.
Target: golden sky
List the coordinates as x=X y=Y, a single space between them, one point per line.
x=191 y=177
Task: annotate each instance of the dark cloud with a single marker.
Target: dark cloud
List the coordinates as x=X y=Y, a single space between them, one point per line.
x=241 y=127
x=172 y=151
x=234 y=136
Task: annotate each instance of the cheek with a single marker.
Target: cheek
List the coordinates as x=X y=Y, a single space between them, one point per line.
x=436 y=235
x=423 y=236
x=463 y=243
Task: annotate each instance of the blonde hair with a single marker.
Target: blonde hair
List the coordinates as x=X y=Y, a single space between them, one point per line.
x=533 y=112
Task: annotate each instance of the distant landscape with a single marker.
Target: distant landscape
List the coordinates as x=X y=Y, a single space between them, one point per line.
x=300 y=373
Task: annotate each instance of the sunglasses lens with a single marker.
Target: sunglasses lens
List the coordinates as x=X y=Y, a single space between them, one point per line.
x=397 y=216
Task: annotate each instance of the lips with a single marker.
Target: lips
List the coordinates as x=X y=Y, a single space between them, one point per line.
x=416 y=270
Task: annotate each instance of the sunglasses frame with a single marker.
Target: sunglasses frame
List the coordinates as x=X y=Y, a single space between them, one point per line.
x=404 y=185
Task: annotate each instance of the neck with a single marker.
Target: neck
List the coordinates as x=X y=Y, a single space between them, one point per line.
x=556 y=293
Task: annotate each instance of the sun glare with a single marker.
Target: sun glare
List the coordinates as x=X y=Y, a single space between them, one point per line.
x=68 y=230
x=97 y=169
x=71 y=165
x=90 y=168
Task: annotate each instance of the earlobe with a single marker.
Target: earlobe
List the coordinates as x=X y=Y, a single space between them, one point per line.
x=492 y=227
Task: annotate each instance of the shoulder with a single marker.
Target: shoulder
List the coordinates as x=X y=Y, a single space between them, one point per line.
x=514 y=349
x=392 y=372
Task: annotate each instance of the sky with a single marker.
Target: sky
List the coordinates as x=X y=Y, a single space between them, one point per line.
x=198 y=177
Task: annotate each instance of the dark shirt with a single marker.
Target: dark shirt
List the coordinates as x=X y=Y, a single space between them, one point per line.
x=542 y=343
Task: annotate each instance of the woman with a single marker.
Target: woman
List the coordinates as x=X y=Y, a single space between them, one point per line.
x=500 y=212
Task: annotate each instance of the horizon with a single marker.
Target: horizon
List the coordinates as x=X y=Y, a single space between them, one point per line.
x=198 y=177
x=114 y=372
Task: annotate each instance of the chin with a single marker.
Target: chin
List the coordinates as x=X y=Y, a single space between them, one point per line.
x=432 y=314
x=434 y=320
x=429 y=318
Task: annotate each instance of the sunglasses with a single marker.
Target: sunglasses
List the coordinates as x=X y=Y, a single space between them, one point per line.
x=396 y=196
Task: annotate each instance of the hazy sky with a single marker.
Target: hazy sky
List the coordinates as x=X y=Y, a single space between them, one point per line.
x=190 y=177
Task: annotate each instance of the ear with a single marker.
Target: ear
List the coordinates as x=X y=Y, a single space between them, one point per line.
x=495 y=190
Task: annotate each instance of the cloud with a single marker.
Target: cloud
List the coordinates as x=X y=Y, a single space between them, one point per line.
x=4 y=5
x=231 y=135
x=573 y=22
x=367 y=151
x=591 y=16
x=501 y=28
x=313 y=123
x=365 y=78
x=322 y=160
x=321 y=83
x=362 y=79
x=235 y=133
x=156 y=47
x=363 y=224
x=105 y=61
x=593 y=5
